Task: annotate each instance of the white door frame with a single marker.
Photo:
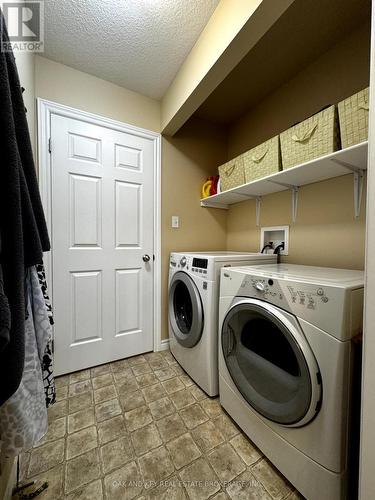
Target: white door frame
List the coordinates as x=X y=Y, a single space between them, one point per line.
x=48 y=108
x=367 y=438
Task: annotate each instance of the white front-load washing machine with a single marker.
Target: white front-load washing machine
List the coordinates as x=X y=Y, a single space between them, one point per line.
x=286 y=364
x=193 y=301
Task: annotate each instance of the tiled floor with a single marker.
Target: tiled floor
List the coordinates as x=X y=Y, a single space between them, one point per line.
x=140 y=428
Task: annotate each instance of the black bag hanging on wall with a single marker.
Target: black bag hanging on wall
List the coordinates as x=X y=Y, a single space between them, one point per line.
x=23 y=230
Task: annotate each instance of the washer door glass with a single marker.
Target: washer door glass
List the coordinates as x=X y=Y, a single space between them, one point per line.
x=267 y=364
x=185 y=310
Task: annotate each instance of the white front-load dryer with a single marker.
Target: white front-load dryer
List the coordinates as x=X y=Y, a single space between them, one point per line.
x=286 y=364
x=193 y=301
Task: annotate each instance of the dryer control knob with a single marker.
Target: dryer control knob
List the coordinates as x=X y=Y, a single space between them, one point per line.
x=260 y=286
x=183 y=262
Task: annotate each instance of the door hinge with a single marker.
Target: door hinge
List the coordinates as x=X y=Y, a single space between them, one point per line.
x=49 y=145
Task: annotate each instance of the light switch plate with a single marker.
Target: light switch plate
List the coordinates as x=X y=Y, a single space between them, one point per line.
x=175 y=221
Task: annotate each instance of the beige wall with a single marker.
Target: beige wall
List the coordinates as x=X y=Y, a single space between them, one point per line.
x=337 y=74
x=187 y=159
x=59 y=83
x=325 y=216
x=325 y=232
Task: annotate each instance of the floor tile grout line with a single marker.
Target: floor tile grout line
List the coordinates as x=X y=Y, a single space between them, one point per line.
x=228 y=441
x=163 y=445
x=154 y=420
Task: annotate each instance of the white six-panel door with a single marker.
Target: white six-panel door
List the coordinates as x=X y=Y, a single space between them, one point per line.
x=102 y=205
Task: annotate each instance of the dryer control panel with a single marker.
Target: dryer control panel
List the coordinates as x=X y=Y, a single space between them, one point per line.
x=266 y=288
x=276 y=292
x=335 y=309
x=309 y=298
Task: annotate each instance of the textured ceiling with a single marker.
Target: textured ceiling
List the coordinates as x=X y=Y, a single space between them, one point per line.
x=137 y=44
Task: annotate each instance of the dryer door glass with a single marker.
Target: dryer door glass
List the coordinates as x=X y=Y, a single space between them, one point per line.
x=267 y=364
x=185 y=310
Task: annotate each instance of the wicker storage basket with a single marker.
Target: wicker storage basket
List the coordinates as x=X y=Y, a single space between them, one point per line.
x=232 y=174
x=314 y=137
x=262 y=160
x=353 y=115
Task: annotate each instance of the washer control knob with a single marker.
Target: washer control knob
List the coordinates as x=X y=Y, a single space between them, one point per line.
x=183 y=262
x=260 y=286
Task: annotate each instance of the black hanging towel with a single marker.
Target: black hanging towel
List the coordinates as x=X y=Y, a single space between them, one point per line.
x=23 y=230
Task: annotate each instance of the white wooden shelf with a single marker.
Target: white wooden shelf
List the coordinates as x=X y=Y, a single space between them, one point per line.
x=350 y=160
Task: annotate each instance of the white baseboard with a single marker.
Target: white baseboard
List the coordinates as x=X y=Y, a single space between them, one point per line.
x=163 y=346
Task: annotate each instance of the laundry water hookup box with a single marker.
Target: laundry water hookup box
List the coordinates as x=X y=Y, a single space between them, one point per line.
x=274 y=236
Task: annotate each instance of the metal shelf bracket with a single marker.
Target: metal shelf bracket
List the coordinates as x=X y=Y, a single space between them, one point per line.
x=258 y=204
x=358 y=182
x=359 y=178
x=294 y=190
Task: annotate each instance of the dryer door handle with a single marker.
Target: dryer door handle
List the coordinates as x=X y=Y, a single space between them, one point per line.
x=229 y=341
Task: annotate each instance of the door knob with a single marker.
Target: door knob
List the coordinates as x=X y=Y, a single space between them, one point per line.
x=146 y=258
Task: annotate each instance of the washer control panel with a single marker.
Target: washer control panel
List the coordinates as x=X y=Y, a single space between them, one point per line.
x=199 y=266
x=188 y=263
x=199 y=271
